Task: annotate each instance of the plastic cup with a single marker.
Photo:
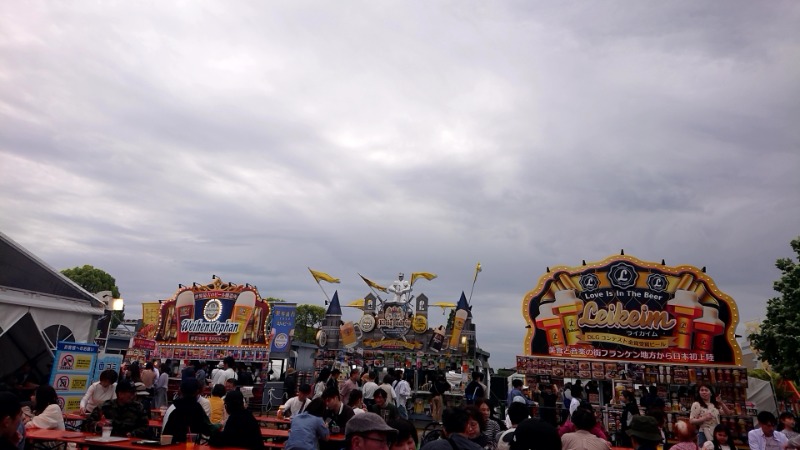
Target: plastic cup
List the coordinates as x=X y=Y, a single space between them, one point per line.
x=166 y=439
x=106 y=431
x=190 y=438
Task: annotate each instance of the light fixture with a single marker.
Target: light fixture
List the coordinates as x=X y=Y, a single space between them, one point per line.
x=117 y=304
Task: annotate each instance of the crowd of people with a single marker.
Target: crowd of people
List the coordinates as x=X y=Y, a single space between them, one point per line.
x=369 y=410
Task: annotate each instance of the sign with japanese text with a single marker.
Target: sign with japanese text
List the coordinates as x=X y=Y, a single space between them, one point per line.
x=625 y=309
x=283 y=320
x=72 y=371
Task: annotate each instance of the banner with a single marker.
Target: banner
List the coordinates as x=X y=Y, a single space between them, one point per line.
x=150 y=312
x=625 y=309
x=105 y=362
x=73 y=366
x=283 y=321
x=218 y=314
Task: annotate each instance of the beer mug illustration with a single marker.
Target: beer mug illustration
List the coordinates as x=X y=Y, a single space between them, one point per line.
x=350 y=336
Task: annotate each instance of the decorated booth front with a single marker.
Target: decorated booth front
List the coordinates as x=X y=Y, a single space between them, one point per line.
x=624 y=323
x=214 y=320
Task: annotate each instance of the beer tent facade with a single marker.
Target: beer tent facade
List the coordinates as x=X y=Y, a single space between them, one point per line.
x=39 y=307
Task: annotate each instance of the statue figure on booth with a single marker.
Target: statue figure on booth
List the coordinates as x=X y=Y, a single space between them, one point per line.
x=402 y=292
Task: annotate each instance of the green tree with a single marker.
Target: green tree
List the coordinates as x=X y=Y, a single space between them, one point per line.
x=307 y=321
x=778 y=341
x=95 y=280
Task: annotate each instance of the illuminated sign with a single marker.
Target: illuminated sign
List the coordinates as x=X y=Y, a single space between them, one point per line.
x=625 y=309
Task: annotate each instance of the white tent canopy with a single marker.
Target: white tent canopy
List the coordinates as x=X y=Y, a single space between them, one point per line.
x=38 y=307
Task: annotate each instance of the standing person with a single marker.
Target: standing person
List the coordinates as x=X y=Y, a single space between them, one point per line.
x=438 y=388
x=290 y=383
x=368 y=431
x=454 y=422
x=644 y=433
x=299 y=403
x=786 y=425
x=383 y=407
x=492 y=428
x=100 y=391
x=244 y=376
x=149 y=377
x=686 y=435
x=241 y=429
x=517 y=412
x=308 y=428
x=10 y=421
x=582 y=438
x=722 y=440
x=160 y=386
x=402 y=392
x=516 y=391
x=322 y=382
x=547 y=410
x=127 y=416
x=48 y=413
x=387 y=387
x=629 y=411
x=475 y=428
x=475 y=389
x=227 y=372
x=333 y=380
x=338 y=413
x=765 y=437
x=369 y=389
x=705 y=412
x=201 y=374
x=349 y=385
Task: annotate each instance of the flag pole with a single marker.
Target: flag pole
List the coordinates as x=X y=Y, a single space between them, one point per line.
x=328 y=299
x=477 y=271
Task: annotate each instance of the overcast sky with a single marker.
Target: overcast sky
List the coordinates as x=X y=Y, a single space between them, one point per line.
x=168 y=141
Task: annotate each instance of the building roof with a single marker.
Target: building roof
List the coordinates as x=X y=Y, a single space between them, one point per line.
x=334 y=308
x=22 y=270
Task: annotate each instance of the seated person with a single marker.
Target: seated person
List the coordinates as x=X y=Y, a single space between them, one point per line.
x=296 y=405
x=337 y=412
x=382 y=407
x=307 y=426
x=127 y=416
x=217 y=404
x=454 y=421
x=99 y=391
x=241 y=429
x=48 y=413
x=188 y=414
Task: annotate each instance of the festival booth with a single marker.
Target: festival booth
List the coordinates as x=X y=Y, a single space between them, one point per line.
x=395 y=333
x=624 y=324
x=206 y=322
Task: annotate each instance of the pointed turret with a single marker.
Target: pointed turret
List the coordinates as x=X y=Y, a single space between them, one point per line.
x=333 y=318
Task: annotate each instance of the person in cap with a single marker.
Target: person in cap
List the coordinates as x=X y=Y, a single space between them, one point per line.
x=454 y=421
x=368 y=431
x=765 y=437
x=296 y=405
x=241 y=429
x=308 y=427
x=644 y=433
x=10 y=421
x=127 y=416
x=188 y=414
x=533 y=434
x=582 y=438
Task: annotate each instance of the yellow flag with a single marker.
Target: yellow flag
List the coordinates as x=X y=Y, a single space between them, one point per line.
x=372 y=284
x=322 y=276
x=477 y=271
x=427 y=275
